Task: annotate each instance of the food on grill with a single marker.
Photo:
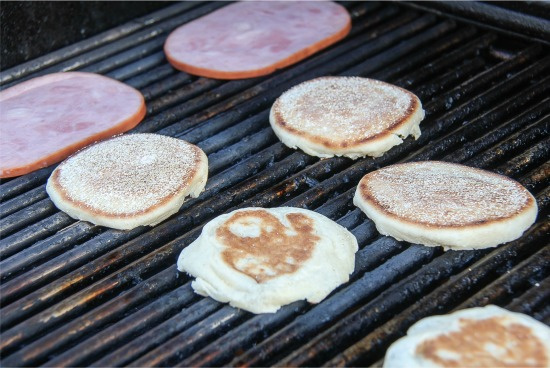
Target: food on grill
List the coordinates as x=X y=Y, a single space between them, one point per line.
x=475 y=337
x=345 y=116
x=45 y=119
x=261 y=259
x=437 y=203
x=250 y=39
x=129 y=181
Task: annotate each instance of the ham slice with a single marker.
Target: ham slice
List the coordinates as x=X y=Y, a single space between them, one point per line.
x=250 y=39
x=45 y=119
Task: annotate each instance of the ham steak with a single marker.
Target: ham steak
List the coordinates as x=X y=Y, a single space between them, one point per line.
x=250 y=39
x=45 y=119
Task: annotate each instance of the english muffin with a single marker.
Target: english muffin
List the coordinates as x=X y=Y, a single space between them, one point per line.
x=475 y=337
x=260 y=259
x=437 y=203
x=345 y=116
x=129 y=181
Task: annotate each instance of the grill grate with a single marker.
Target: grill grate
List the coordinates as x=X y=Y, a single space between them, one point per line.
x=75 y=294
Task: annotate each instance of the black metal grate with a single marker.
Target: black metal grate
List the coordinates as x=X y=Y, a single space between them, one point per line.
x=74 y=294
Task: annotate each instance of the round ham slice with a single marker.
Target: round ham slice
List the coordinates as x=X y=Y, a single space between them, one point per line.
x=45 y=119
x=250 y=39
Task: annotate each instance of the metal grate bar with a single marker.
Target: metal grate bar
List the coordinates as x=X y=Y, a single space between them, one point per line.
x=444 y=58
x=59 y=242
x=444 y=50
x=162 y=84
x=188 y=93
x=512 y=283
x=194 y=337
x=401 y=49
x=21 y=184
x=137 y=53
x=533 y=157
x=24 y=238
x=213 y=142
x=538 y=179
x=166 y=305
x=148 y=341
x=490 y=16
x=534 y=299
x=143 y=291
x=511 y=145
x=26 y=216
x=225 y=157
x=469 y=149
x=467 y=70
x=140 y=67
x=543 y=201
x=485 y=122
x=45 y=273
x=475 y=105
x=486 y=78
x=15 y=204
x=163 y=72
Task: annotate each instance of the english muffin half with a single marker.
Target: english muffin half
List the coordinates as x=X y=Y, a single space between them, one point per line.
x=437 y=203
x=345 y=116
x=475 y=337
x=129 y=181
x=260 y=259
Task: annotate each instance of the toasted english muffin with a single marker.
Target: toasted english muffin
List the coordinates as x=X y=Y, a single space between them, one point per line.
x=260 y=259
x=437 y=203
x=129 y=181
x=345 y=116
x=475 y=337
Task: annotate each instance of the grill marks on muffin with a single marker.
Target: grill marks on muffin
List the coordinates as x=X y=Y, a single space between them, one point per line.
x=262 y=247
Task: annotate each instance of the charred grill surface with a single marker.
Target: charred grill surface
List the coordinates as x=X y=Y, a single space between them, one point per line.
x=75 y=294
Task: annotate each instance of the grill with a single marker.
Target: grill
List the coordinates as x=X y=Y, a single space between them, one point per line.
x=75 y=294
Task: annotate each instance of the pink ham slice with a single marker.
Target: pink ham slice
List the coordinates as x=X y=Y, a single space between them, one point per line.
x=45 y=119
x=250 y=39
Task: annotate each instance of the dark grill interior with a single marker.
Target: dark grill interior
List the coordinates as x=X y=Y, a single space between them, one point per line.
x=74 y=294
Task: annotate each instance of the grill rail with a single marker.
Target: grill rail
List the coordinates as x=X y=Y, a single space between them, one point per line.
x=75 y=294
